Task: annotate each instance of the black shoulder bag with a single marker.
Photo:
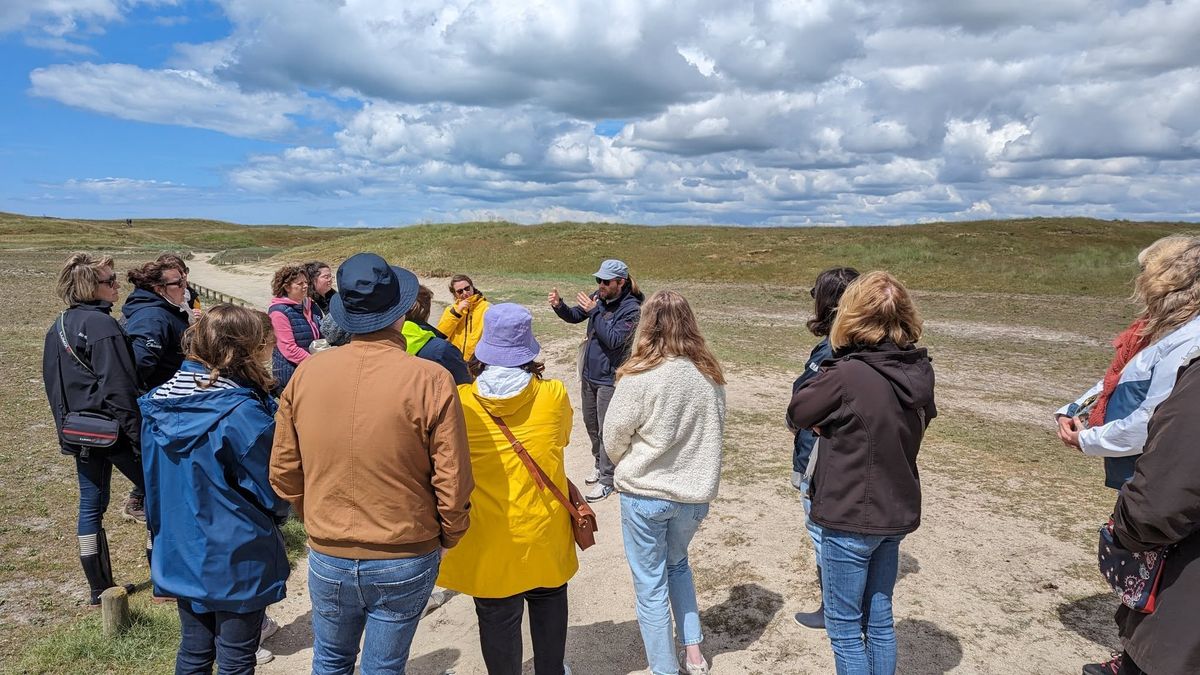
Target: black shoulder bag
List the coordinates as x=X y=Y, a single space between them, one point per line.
x=84 y=429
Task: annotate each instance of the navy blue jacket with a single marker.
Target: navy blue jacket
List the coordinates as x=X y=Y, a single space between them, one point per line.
x=155 y=328
x=110 y=388
x=609 y=332
x=805 y=438
x=211 y=510
x=438 y=349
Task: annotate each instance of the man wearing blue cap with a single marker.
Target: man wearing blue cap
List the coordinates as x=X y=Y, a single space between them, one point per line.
x=371 y=451
x=612 y=312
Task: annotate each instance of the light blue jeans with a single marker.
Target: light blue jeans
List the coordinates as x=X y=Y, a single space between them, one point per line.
x=657 y=533
x=858 y=575
x=814 y=530
x=385 y=597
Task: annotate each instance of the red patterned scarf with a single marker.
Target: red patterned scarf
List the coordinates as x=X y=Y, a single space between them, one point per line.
x=1128 y=344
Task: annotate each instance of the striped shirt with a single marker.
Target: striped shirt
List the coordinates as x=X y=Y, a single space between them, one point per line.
x=185 y=384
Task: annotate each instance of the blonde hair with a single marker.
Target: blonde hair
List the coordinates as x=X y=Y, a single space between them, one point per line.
x=668 y=328
x=80 y=277
x=231 y=342
x=1168 y=286
x=875 y=307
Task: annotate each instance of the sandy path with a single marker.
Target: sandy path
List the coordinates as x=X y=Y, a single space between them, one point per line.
x=979 y=588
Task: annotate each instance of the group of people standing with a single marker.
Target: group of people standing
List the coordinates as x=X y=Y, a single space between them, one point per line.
x=420 y=455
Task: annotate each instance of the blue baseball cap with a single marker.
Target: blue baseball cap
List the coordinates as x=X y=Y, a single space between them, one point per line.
x=612 y=269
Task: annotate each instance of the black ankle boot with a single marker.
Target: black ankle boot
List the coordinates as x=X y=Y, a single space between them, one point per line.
x=815 y=620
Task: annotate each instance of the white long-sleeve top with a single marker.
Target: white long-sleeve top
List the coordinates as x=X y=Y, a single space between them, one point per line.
x=664 y=430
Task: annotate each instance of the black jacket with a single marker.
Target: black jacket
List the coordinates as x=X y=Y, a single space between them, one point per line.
x=609 y=333
x=155 y=328
x=873 y=405
x=97 y=339
x=1160 y=506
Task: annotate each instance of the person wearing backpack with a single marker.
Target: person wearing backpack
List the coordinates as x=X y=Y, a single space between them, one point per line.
x=90 y=377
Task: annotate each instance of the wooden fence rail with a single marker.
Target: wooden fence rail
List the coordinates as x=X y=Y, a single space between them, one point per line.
x=218 y=297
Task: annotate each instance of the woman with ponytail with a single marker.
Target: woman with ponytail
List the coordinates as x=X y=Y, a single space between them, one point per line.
x=206 y=443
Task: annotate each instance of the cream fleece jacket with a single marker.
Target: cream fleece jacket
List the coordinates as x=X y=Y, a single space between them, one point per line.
x=664 y=431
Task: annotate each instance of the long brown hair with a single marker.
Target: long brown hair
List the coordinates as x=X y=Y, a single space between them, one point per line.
x=875 y=307
x=231 y=341
x=1168 y=287
x=666 y=329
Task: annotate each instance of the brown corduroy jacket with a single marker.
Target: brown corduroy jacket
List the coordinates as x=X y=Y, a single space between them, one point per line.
x=371 y=451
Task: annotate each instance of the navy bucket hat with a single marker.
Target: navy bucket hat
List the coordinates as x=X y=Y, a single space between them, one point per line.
x=372 y=294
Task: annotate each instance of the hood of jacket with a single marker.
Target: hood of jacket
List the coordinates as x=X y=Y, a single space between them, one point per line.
x=509 y=405
x=179 y=425
x=415 y=337
x=141 y=299
x=909 y=371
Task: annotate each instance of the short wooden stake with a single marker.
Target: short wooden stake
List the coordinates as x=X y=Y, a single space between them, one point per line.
x=114 y=610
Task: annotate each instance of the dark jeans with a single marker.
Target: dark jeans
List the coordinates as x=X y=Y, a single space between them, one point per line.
x=595 y=406
x=500 y=630
x=95 y=483
x=228 y=638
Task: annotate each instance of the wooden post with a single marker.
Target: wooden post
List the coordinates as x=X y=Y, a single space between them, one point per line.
x=114 y=609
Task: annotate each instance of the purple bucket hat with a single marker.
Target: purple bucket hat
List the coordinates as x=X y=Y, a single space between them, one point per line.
x=507 y=336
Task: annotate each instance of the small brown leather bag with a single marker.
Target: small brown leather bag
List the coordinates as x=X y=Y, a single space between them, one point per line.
x=583 y=518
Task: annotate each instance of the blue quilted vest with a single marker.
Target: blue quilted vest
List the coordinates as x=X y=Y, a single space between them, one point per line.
x=281 y=368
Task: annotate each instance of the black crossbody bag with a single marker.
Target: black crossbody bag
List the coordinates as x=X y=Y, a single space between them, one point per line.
x=84 y=429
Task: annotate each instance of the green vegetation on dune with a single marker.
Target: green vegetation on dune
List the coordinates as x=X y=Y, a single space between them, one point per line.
x=1041 y=256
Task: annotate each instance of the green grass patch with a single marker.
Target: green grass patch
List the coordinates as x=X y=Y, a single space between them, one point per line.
x=241 y=256
x=81 y=648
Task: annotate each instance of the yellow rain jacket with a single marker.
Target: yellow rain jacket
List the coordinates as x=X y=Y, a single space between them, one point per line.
x=464 y=330
x=520 y=537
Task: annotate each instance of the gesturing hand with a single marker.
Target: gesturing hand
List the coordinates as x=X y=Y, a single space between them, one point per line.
x=553 y=298
x=586 y=303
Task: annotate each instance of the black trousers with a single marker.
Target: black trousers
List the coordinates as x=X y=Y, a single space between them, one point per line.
x=500 y=630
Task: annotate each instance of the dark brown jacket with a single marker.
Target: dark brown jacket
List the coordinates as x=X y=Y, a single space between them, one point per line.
x=872 y=405
x=1161 y=506
x=371 y=451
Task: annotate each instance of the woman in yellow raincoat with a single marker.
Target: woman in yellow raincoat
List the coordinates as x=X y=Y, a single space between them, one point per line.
x=520 y=548
x=462 y=320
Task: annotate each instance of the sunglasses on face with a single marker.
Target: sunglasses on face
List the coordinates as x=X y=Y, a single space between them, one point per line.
x=110 y=282
x=464 y=289
x=174 y=284
x=605 y=282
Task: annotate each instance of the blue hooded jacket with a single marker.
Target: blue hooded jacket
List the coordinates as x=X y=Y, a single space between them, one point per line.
x=610 y=328
x=211 y=510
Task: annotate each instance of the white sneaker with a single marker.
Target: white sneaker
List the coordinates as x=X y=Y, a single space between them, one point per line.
x=566 y=669
x=600 y=493
x=593 y=477
x=269 y=628
x=694 y=668
x=263 y=656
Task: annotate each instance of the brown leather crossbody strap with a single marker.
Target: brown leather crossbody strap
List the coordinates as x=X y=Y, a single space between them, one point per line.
x=543 y=481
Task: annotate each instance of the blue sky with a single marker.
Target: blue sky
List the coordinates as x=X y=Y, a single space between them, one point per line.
x=765 y=112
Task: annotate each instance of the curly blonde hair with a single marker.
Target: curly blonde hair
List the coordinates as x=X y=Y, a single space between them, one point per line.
x=668 y=328
x=875 y=307
x=1168 y=286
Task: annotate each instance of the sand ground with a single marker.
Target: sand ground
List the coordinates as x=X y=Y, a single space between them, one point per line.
x=980 y=588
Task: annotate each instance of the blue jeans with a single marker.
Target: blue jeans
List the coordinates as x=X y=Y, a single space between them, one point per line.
x=95 y=484
x=657 y=533
x=228 y=638
x=858 y=574
x=814 y=530
x=384 y=597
